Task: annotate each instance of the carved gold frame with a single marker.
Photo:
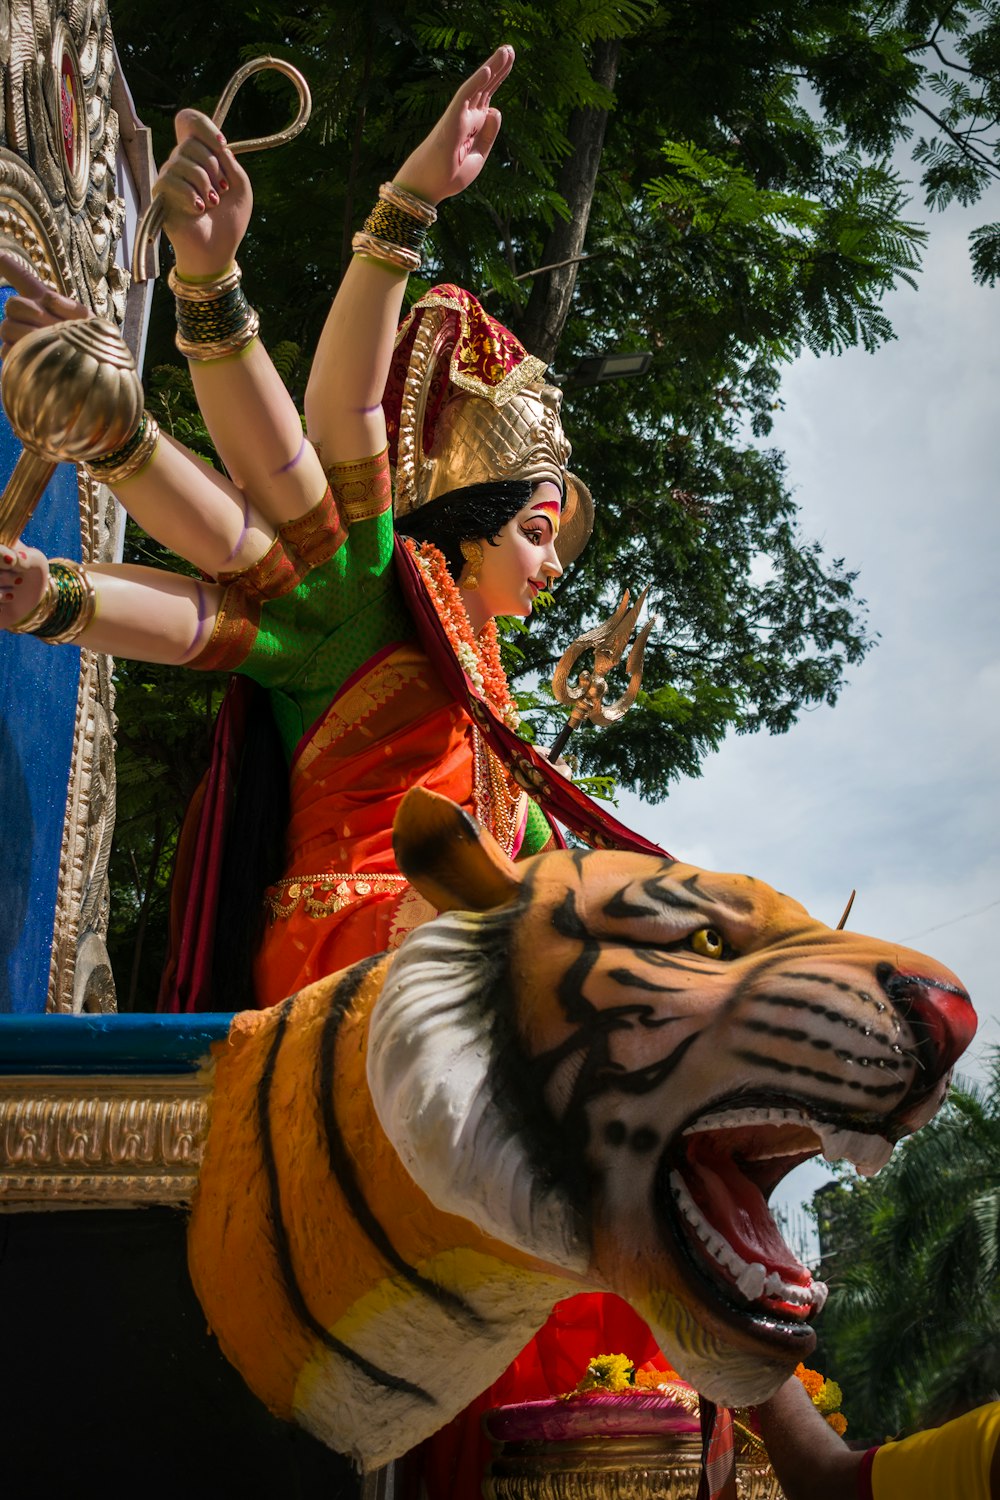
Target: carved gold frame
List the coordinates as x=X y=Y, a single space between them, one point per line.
x=66 y=219
x=101 y=1142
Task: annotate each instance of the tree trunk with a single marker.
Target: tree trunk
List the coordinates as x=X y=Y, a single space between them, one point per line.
x=541 y=326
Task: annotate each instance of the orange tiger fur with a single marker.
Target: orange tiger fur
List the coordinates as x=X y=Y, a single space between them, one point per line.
x=410 y=1161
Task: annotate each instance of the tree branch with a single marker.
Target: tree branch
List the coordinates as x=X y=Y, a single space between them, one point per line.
x=962 y=142
x=548 y=306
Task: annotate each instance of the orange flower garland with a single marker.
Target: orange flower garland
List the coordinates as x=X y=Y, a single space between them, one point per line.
x=825 y=1395
x=478 y=656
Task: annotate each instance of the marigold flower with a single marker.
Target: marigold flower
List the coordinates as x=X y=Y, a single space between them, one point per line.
x=828 y=1398
x=811 y=1379
x=608 y=1372
x=838 y=1422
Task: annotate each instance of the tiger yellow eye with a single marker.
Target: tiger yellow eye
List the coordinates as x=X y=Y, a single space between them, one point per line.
x=707 y=942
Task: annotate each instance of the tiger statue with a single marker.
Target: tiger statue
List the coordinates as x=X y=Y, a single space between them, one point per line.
x=589 y=1072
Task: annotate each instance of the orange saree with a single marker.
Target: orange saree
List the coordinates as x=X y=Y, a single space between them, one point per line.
x=342 y=898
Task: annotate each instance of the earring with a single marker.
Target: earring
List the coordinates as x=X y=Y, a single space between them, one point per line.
x=473 y=554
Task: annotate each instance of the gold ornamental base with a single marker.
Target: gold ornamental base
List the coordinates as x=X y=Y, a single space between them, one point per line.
x=613 y=1468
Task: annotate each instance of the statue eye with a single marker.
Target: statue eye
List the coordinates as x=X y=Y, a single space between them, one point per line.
x=707 y=942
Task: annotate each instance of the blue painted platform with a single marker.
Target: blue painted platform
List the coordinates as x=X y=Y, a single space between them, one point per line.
x=97 y=1044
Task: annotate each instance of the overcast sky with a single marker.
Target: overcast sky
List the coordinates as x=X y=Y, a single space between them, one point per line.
x=894 y=462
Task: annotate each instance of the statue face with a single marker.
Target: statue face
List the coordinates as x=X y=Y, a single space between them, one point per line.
x=520 y=561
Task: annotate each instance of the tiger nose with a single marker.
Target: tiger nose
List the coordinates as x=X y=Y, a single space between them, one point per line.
x=939 y=1014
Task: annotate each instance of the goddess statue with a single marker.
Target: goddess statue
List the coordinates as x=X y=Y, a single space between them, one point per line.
x=368 y=624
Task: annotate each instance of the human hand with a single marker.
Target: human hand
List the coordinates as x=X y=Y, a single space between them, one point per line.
x=453 y=154
x=24 y=575
x=35 y=306
x=206 y=197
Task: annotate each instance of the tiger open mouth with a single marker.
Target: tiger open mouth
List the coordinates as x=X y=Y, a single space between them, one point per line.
x=721 y=1171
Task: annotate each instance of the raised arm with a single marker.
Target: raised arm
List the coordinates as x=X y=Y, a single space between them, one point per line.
x=344 y=395
x=253 y=422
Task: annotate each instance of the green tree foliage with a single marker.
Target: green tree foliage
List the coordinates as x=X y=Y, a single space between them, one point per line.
x=912 y=1328
x=709 y=182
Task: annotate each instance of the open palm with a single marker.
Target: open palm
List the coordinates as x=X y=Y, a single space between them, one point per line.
x=452 y=156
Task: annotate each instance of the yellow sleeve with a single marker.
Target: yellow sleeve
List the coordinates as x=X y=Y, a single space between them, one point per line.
x=945 y=1463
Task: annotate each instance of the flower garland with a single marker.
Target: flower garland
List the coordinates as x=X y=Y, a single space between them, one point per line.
x=825 y=1395
x=478 y=656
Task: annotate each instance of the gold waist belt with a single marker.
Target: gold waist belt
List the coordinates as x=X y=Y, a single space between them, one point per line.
x=324 y=895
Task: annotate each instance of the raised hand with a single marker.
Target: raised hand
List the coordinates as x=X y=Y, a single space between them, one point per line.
x=206 y=196
x=24 y=573
x=35 y=306
x=453 y=154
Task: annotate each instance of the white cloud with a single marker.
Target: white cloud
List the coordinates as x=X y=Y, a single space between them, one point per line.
x=897 y=790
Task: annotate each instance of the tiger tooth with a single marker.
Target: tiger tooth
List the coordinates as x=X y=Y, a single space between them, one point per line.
x=752 y=1281
x=820 y=1291
x=868 y=1153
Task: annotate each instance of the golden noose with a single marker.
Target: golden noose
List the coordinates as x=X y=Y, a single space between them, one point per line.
x=608 y=641
x=152 y=220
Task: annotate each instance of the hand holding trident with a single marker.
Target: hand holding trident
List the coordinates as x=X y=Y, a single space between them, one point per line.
x=608 y=641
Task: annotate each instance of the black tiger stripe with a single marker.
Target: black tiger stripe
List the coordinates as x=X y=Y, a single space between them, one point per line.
x=637 y=982
x=815 y=1008
x=683 y=962
x=566 y=921
x=827 y=979
x=340 y=1162
x=730 y=901
x=669 y=895
x=644 y=1080
x=821 y=1044
x=619 y=908
x=800 y=1070
x=279 y=1232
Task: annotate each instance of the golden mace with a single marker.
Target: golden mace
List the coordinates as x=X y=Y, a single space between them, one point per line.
x=608 y=641
x=152 y=220
x=71 y=392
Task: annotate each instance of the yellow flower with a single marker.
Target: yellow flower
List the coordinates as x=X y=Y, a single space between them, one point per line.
x=608 y=1372
x=828 y=1398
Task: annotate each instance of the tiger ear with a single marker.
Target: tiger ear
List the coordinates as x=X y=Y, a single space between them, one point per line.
x=445 y=854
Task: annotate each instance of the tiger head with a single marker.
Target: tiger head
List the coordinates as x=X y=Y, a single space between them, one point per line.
x=609 y=1061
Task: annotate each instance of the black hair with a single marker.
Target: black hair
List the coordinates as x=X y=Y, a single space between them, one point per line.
x=471 y=513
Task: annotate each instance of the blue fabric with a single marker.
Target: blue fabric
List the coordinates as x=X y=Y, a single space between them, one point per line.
x=38 y=693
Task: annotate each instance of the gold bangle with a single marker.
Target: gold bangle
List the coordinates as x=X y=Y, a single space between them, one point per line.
x=67 y=606
x=418 y=208
x=43 y=611
x=77 y=596
x=385 y=251
x=231 y=344
x=126 y=461
x=204 y=291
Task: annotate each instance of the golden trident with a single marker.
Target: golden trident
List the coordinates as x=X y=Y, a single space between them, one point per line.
x=586 y=699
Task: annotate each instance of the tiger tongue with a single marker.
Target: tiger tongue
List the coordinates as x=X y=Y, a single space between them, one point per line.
x=736 y=1208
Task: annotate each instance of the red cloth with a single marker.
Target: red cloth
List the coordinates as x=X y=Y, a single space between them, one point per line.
x=481 y=355
x=452 y=1462
x=186 y=984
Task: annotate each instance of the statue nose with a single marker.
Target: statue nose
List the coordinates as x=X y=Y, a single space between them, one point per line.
x=939 y=1014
